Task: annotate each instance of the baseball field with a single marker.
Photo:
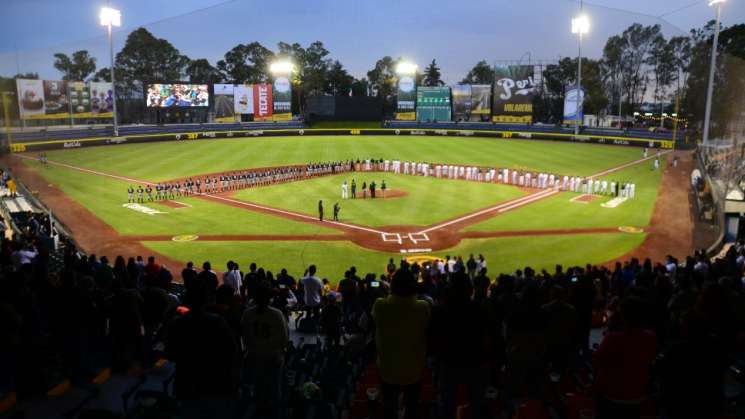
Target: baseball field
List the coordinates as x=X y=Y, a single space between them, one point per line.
x=276 y=226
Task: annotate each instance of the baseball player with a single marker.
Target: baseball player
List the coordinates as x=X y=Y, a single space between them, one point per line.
x=130 y=194
x=344 y=190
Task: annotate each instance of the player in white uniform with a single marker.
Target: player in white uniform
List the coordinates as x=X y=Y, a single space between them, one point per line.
x=506 y=175
x=604 y=187
x=514 y=177
x=613 y=188
x=406 y=168
x=632 y=190
x=344 y=190
x=386 y=165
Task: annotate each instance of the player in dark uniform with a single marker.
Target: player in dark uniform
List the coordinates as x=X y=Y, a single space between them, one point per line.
x=130 y=194
x=140 y=191
x=364 y=190
x=337 y=208
x=372 y=189
x=383 y=188
x=149 y=191
x=354 y=189
x=320 y=210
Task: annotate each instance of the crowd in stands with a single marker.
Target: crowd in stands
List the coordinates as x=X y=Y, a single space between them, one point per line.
x=670 y=329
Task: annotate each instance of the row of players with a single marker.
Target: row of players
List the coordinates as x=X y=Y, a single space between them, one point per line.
x=233 y=181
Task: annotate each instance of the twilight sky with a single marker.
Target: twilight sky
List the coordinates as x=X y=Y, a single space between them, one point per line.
x=357 y=32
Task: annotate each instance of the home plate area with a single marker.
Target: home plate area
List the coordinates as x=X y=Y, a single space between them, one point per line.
x=401 y=238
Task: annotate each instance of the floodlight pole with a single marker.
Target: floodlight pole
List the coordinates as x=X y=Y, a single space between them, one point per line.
x=113 y=85
x=712 y=69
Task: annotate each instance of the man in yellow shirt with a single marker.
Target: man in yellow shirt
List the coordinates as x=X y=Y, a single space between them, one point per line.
x=12 y=189
x=401 y=323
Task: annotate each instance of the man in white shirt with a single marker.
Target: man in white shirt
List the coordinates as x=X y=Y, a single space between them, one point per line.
x=313 y=288
x=23 y=256
x=344 y=190
x=232 y=277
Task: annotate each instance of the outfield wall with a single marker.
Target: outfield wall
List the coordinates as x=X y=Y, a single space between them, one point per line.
x=49 y=144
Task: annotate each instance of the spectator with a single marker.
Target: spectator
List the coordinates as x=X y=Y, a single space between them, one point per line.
x=622 y=365
x=458 y=342
x=265 y=335
x=232 y=277
x=330 y=321
x=561 y=324
x=203 y=349
x=400 y=338
x=189 y=275
x=313 y=288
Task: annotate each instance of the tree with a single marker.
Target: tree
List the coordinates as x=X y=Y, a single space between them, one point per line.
x=662 y=61
x=246 y=63
x=103 y=74
x=481 y=73
x=202 y=71
x=361 y=87
x=338 y=81
x=558 y=76
x=432 y=75
x=637 y=41
x=309 y=77
x=146 y=58
x=77 y=68
x=383 y=78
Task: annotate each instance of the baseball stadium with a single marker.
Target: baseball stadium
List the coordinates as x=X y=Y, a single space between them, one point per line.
x=195 y=228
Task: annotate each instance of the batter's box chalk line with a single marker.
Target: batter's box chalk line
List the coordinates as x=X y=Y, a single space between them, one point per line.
x=418 y=237
x=391 y=237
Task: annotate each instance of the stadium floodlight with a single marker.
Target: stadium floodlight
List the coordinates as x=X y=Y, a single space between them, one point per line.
x=406 y=68
x=712 y=67
x=281 y=67
x=580 y=26
x=111 y=17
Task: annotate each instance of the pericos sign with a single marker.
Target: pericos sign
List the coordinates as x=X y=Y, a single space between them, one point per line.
x=262 y=101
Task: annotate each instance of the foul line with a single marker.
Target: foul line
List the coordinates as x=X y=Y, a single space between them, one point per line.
x=491 y=209
x=506 y=206
x=94 y=172
x=629 y=164
x=247 y=204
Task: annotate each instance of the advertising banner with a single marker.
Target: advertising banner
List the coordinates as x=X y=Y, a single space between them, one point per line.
x=55 y=99
x=571 y=102
x=406 y=99
x=30 y=98
x=433 y=104
x=513 y=94
x=480 y=102
x=179 y=95
x=243 y=99
x=262 y=102
x=80 y=99
x=224 y=106
x=102 y=99
x=282 y=97
x=462 y=102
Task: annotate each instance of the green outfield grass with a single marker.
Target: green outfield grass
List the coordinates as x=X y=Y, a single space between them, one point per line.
x=104 y=197
x=503 y=255
x=559 y=212
x=429 y=200
x=168 y=160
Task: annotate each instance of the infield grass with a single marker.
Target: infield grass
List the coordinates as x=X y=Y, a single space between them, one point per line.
x=429 y=200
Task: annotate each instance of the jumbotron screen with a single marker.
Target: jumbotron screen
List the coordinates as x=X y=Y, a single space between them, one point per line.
x=178 y=95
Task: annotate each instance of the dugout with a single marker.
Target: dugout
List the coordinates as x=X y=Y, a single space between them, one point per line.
x=343 y=108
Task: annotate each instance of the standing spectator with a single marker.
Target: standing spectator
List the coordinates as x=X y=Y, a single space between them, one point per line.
x=313 y=288
x=561 y=324
x=458 y=342
x=622 y=363
x=203 y=349
x=471 y=265
x=232 y=277
x=331 y=322
x=265 y=336
x=189 y=275
x=348 y=289
x=401 y=343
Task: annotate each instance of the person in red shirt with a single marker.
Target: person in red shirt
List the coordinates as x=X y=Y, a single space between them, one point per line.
x=622 y=365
